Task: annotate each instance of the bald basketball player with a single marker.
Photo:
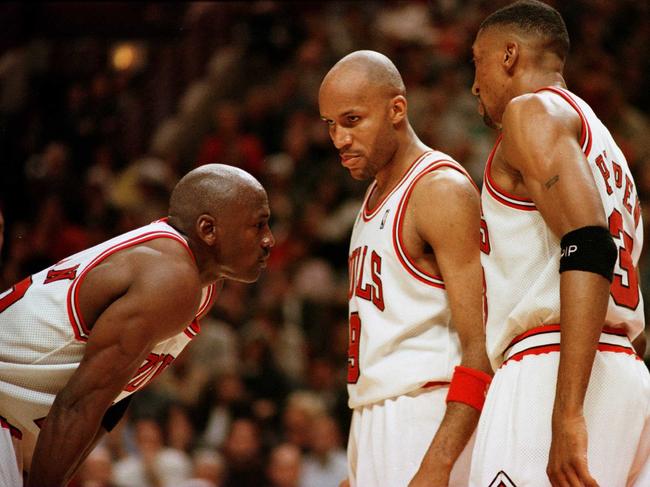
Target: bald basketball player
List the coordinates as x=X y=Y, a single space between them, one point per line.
x=79 y=337
x=415 y=295
x=570 y=400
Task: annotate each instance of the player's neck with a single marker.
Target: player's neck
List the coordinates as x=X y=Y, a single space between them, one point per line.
x=536 y=80
x=408 y=151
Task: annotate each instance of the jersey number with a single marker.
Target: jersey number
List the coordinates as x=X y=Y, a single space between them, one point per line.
x=353 y=348
x=15 y=294
x=624 y=295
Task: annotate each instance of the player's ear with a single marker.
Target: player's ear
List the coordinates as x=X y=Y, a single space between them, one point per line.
x=510 y=55
x=398 y=107
x=206 y=229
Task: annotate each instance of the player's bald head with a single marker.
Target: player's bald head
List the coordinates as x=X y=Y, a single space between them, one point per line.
x=367 y=72
x=215 y=189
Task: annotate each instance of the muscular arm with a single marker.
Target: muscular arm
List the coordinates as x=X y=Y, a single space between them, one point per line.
x=159 y=299
x=447 y=216
x=540 y=140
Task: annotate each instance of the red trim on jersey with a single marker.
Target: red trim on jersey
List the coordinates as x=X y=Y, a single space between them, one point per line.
x=398 y=243
x=369 y=214
x=499 y=194
x=538 y=330
x=534 y=331
x=209 y=299
x=555 y=347
x=602 y=347
x=13 y=430
x=79 y=327
x=194 y=328
x=585 y=132
x=435 y=383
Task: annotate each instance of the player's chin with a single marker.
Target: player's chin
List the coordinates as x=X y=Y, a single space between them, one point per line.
x=487 y=120
x=253 y=274
x=359 y=174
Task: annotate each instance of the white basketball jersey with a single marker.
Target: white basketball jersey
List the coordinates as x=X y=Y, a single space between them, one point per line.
x=521 y=256
x=401 y=335
x=43 y=336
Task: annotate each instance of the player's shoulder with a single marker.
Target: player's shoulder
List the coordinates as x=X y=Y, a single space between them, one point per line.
x=163 y=263
x=447 y=182
x=171 y=257
x=538 y=110
x=443 y=173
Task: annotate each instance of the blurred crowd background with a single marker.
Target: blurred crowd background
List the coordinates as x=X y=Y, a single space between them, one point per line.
x=104 y=105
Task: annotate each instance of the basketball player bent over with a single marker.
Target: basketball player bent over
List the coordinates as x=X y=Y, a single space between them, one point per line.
x=77 y=339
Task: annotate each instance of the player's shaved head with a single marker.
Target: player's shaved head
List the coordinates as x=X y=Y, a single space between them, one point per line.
x=364 y=70
x=214 y=189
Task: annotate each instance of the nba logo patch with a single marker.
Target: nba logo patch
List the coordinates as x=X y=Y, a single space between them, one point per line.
x=383 y=220
x=502 y=480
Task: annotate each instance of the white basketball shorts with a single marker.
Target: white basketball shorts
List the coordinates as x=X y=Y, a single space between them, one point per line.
x=389 y=439
x=513 y=437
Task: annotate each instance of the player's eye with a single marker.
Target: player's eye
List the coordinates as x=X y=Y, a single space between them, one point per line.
x=353 y=118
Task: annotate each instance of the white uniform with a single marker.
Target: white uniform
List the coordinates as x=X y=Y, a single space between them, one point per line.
x=401 y=339
x=521 y=262
x=43 y=338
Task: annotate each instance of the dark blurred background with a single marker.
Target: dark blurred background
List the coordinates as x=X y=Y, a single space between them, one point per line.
x=103 y=105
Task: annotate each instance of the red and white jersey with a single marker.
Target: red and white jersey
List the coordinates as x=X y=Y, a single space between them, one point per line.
x=43 y=335
x=401 y=335
x=522 y=256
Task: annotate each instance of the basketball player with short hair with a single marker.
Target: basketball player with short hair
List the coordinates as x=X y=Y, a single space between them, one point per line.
x=415 y=295
x=79 y=337
x=570 y=399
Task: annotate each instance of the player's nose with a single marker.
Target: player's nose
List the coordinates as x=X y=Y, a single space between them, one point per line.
x=475 y=89
x=340 y=137
x=268 y=241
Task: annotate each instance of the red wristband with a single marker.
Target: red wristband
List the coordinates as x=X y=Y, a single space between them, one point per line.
x=469 y=386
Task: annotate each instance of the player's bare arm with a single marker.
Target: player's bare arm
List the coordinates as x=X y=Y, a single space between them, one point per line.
x=444 y=214
x=540 y=140
x=639 y=344
x=153 y=296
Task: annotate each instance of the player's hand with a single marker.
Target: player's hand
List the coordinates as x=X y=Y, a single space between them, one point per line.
x=430 y=477
x=567 y=460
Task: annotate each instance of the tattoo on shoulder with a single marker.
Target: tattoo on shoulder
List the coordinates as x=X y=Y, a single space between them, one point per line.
x=552 y=181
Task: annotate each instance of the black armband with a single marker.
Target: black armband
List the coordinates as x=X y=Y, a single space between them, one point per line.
x=590 y=249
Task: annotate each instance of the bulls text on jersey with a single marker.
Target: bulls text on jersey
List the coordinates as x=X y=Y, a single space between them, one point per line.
x=364 y=286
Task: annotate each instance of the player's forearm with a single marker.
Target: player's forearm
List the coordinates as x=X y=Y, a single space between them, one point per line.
x=639 y=344
x=583 y=297
x=454 y=432
x=64 y=441
x=460 y=419
x=475 y=356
